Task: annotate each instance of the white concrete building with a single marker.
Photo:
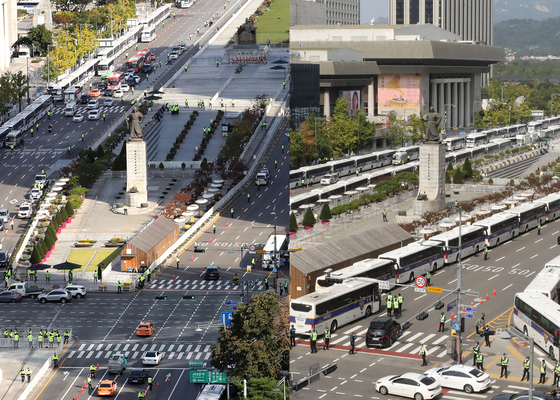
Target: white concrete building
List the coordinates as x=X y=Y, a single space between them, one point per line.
x=8 y=29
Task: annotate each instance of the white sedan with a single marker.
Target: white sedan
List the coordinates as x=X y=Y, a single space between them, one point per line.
x=118 y=93
x=461 y=377
x=78 y=118
x=151 y=358
x=125 y=87
x=410 y=384
x=35 y=194
x=108 y=102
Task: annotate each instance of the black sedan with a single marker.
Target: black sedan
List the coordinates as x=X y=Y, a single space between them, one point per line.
x=537 y=395
x=138 y=375
x=9 y=297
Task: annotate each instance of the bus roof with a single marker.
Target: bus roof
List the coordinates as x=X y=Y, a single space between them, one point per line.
x=321 y=295
x=546 y=306
x=554 y=263
x=476 y=135
x=359 y=267
x=494 y=219
x=411 y=248
x=269 y=246
x=523 y=207
x=549 y=198
x=454 y=233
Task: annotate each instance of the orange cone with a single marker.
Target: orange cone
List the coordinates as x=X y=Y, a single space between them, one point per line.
x=472 y=303
x=227 y=224
x=76 y=397
x=192 y=258
x=82 y=391
x=97 y=365
x=211 y=241
x=493 y=294
x=84 y=384
x=464 y=310
x=173 y=276
x=158 y=385
x=452 y=315
x=487 y=298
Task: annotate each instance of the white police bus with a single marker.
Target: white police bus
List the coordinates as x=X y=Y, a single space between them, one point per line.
x=499 y=228
x=538 y=317
x=415 y=259
x=530 y=215
x=383 y=270
x=472 y=241
x=454 y=143
x=336 y=306
x=547 y=282
x=552 y=204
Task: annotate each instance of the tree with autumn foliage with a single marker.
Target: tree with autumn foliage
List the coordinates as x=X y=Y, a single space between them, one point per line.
x=176 y=205
x=256 y=345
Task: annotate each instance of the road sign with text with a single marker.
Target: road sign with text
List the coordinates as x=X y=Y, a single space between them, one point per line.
x=261 y=251
x=433 y=289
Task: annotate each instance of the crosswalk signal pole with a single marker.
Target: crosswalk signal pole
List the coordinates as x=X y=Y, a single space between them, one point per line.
x=459 y=288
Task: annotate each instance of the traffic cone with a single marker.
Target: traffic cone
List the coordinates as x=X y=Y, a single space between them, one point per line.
x=494 y=294
x=472 y=303
x=464 y=310
x=173 y=276
x=227 y=224
x=487 y=298
x=147 y=390
x=192 y=258
x=97 y=365
x=76 y=397
x=211 y=241
x=84 y=384
x=452 y=315
x=82 y=391
x=158 y=385
x=169 y=381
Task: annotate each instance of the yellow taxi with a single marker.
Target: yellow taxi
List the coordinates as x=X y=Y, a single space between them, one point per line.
x=145 y=329
x=107 y=388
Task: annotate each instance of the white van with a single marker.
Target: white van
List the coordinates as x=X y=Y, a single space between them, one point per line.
x=329 y=179
x=262 y=178
x=70 y=109
x=92 y=104
x=25 y=210
x=14 y=138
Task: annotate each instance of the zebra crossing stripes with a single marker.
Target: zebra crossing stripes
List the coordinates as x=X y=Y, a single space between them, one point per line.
x=169 y=351
x=176 y=284
x=84 y=109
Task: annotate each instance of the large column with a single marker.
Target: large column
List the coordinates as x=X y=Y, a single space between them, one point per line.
x=431 y=191
x=461 y=104
x=468 y=104
x=452 y=25
x=136 y=173
x=434 y=99
x=326 y=103
x=371 y=100
x=454 y=121
x=448 y=102
x=441 y=98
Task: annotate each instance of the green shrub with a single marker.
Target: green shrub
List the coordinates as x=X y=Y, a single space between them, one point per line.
x=58 y=219
x=447 y=178
x=325 y=213
x=458 y=177
x=69 y=209
x=490 y=181
x=309 y=218
x=161 y=165
x=450 y=167
x=467 y=169
x=63 y=215
x=36 y=256
x=293 y=223
x=76 y=201
x=79 y=191
x=340 y=209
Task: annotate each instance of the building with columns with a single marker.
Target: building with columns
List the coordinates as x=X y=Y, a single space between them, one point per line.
x=8 y=27
x=470 y=19
x=383 y=69
x=325 y=12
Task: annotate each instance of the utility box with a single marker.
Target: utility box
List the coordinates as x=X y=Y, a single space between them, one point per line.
x=452 y=346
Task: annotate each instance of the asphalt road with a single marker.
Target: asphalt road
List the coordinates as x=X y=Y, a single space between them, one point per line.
x=509 y=269
x=44 y=150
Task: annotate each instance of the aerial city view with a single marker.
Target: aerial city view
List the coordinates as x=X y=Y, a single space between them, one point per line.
x=283 y=198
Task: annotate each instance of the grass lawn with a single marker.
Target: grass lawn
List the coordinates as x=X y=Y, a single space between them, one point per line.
x=270 y=27
x=80 y=256
x=101 y=255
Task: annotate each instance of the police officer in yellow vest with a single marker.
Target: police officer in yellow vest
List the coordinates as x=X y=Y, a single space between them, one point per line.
x=16 y=340
x=28 y=373
x=313 y=341
x=40 y=340
x=22 y=374
x=556 y=374
x=504 y=363
x=30 y=339
x=428 y=277
x=389 y=304
x=326 y=339
x=476 y=350
x=441 y=326
x=89 y=383
x=423 y=354
x=92 y=371
x=401 y=299
x=526 y=366
x=542 y=379
x=480 y=361
x=396 y=307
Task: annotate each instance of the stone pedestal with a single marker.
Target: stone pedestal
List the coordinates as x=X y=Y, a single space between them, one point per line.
x=136 y=173
x=431 y=192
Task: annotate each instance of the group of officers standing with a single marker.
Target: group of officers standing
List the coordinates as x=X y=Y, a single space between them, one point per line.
x=44 y=335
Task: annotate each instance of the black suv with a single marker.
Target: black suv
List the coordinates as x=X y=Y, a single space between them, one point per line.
x=212 y=272
x=146 y=68
x=138 y=375
x=85 y=98
x=382 y=332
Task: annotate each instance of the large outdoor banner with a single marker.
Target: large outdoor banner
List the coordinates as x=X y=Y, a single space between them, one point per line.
x=397 y=92
x=353 y=99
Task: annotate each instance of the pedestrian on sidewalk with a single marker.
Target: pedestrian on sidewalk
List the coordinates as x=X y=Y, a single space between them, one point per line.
x=352 y=343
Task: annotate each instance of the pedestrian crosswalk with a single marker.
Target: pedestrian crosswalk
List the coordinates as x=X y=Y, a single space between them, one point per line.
x=81 y=109
x=198 y=284
x=170 y=351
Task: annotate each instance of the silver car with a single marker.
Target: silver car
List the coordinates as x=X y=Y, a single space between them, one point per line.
x=61 y=295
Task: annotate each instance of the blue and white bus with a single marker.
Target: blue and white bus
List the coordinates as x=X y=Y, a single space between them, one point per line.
x=476 y=139
x=552 y=204
x=383 y=270
x=499 y=228
x=472 y=241
x=454 y=143
x=336 y=306
x=530 y=215
x=415 y=259
x=538 y=317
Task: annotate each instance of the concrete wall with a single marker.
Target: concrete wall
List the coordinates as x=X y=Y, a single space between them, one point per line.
x=303 y=12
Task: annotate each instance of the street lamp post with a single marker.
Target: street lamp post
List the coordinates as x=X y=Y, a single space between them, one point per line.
x=48 y=65
x=446 y=125
x=28 y=99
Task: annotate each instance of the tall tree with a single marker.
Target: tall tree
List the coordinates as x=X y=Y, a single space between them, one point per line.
x=296 y=149
x=414 y=128
x=395 y=131
x=20 y=87
x=342 y=128
x=41 y=37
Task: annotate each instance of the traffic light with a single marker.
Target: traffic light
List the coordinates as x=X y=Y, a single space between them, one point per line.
x=161 y=297
x=188 y=296
x=462 y=324
x=422 y=316
x=406 y=325
x=439 y=305
x=300 y=385
x=556 y=338
x=199 y=250
x=329 y=369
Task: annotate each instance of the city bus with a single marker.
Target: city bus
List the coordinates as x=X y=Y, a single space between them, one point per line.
x=534 y=126
x=114 y=81
x=472 y=241
x=274 y=242
x=547 y=282
x=529 y=214
x=538 y=317
x=147 y=54
x=552 y=204
x=373 y=268
x=105 y=67
x=476 y=139
x=406 y=154
x=454 y=143
x=71 y=94
x=499 y=228
x=148 y=34
x=415 y=259
x=136 y=62
x=336 y=306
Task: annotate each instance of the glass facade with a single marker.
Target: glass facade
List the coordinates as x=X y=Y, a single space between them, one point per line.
x=304 y=92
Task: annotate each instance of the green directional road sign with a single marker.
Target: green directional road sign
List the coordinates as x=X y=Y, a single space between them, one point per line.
x=208 y=377
x=196 y=363
x=199 y=376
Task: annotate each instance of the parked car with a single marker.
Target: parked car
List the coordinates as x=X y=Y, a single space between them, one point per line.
x=151 y=358
x=461 y=377
x=10 y=297
x=61 y=295
x=174 y=55
x=329 y=179
x=25 y=210
x=410 y=384
x=183 y=46
x=78 y=118
x=77 y=291
x=25 y=289
x=212 y=272
x=35 y=193
x=101 y=86
x=147 y=69
x=138 y=375
x=383 y=332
